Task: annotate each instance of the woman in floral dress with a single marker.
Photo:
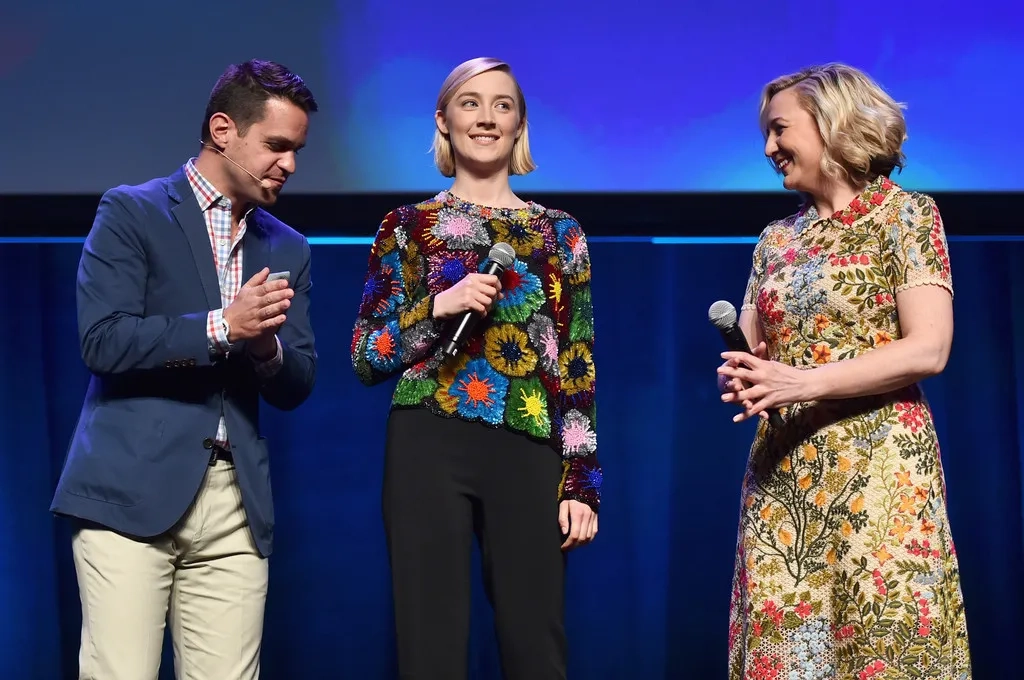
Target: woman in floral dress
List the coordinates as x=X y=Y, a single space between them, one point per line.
x=845 y=566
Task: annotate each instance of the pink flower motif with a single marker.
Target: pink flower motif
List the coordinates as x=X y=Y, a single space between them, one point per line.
x=457 y=226
x=577 y=436
x=545 y=339
x=549 y=344
x=459 y=231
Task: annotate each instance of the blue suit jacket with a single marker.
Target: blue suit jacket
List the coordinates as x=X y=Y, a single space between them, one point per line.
x=146 y=282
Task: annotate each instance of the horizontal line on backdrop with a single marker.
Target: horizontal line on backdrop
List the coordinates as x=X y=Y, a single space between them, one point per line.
x=655 y=240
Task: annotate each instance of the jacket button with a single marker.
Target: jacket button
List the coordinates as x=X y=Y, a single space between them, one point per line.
x=207 y=443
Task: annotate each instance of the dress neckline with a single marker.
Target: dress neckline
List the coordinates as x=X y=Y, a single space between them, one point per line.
x=873 y=196
x=529 y=211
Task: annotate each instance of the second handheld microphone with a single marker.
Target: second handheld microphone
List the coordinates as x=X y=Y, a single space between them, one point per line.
x=723 y=315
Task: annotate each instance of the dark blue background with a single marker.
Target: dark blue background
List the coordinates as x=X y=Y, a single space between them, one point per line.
x=649 y=599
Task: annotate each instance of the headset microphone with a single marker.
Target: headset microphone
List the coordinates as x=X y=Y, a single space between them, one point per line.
x=265 y=184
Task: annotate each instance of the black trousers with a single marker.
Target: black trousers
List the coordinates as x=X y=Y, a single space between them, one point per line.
x=444 y=481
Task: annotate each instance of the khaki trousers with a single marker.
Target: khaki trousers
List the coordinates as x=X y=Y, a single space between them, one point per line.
x=204 y=577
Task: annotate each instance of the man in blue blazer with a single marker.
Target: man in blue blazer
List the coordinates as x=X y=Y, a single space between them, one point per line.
x=193 y=302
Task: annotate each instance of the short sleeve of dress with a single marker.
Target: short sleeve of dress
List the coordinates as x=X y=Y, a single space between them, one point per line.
x=757 y=274
x=918 y=254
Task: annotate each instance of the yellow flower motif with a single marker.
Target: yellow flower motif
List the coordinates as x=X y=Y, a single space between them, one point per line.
x=555 y=286
x=533 y=406
x=831 y=557
x=520 y=236
x=576 y=369
x=903 y=478
x=508 y=350
x=847 y=529
x=857 y=505
x=820 y=499
x=786 y=464
x=410 y=266
x=777 y=238
x=906 y=503
x=804 y=482
x=414 y=315
x=844 y=463
x=445 y=379
x=766 y=511
x=882 y=555
x=810 y=452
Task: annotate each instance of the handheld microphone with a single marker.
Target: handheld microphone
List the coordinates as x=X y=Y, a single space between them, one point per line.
x=500 y=258
x=723 y=316
x=265 y=184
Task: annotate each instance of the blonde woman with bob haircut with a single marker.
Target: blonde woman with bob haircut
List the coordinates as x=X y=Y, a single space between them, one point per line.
x=845 y=566
x=490 y=432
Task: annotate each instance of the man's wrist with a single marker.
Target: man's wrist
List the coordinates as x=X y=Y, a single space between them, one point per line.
x=216 y=332
x=264 y=348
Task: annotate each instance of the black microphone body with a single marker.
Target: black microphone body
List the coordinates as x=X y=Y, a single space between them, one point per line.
x=464 y=329
x=735 y=341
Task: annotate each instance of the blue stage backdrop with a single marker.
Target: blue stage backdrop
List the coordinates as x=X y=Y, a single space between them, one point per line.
x=648 y=599
x=653 y=95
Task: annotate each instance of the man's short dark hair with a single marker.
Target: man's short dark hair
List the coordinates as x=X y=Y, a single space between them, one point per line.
x=242 y=92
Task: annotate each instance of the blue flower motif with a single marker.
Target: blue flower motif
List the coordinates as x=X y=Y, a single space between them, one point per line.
x=523 y=294
x=562 y=227
x=383 y=348
x=384 y=291
x=876 y=436
x=805 y=297
x=575 y=252
x=593 y=479
x=809 y=648
x=480 y=391
x=448 y=268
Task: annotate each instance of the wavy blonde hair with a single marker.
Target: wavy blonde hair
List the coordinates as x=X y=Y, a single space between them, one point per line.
x=521 y=161
x=861 y=126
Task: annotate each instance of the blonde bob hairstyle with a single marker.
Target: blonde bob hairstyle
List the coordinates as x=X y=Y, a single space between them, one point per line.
x=862 y=128
x=444 y=156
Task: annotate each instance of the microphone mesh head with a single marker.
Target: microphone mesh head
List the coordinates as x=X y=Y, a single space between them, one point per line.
x=722 y=314
x=503 y=254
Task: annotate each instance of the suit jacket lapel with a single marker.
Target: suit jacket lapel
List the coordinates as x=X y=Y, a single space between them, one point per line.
x=190 y=219
x=256 y=246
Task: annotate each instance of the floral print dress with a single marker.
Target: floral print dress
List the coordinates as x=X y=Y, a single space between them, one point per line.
x=845 y=566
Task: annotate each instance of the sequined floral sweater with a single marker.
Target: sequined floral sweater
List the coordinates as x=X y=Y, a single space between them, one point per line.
x=529 y=365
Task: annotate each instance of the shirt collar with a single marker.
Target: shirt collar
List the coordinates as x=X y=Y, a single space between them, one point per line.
x=206 y=194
